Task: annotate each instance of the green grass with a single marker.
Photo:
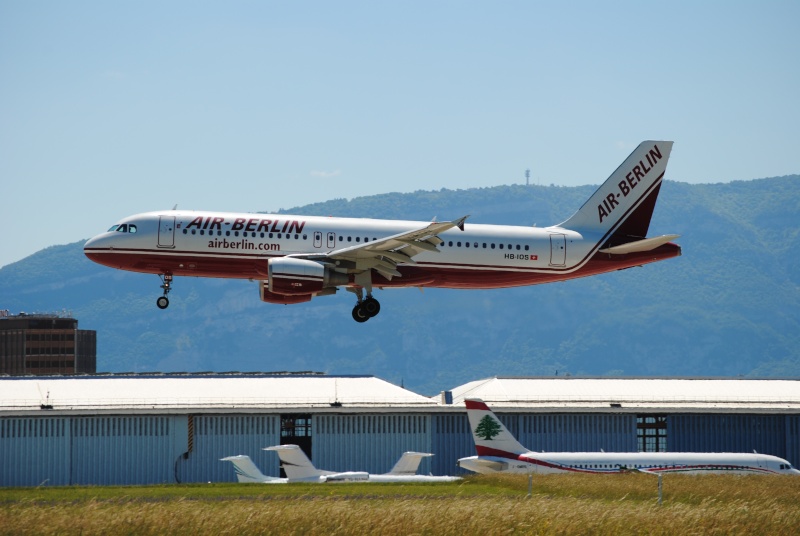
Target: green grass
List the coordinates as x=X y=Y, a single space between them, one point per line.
x=560 y=504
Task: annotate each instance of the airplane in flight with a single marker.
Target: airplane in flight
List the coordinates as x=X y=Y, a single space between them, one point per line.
x=299 y=468
x=500 y=452
x=297 y=258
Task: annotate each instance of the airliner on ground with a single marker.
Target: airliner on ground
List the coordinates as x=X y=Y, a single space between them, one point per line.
x=500 y=452
x=299 y=468
x=297 y=258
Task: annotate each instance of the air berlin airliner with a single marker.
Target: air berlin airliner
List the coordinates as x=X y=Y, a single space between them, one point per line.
x=296 y=258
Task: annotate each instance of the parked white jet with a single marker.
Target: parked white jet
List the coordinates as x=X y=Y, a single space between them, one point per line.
x=296 y=258
x=500 y=452
x=299 y=468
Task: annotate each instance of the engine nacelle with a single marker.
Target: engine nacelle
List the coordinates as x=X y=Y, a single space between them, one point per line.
x=287 y=276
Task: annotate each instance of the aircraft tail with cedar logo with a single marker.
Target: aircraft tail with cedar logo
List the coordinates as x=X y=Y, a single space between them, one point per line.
x=491 y=436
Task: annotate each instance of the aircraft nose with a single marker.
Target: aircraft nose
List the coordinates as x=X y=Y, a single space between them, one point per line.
x=94 y=248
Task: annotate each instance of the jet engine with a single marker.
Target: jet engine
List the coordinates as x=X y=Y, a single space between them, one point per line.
x=291 y=280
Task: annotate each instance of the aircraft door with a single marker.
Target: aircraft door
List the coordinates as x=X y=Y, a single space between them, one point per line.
x=558 y=250
x=317 y=239
x=331 y=240
x=166 y=231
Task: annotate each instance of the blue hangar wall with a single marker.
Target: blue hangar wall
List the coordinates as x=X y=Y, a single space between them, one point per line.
x=63 y=449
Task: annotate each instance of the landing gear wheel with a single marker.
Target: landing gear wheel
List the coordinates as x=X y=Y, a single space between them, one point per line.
x=359 y=314
x=166 y=284
x=371 y=306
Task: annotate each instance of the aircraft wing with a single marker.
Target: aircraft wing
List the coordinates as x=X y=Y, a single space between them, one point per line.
x=385 y=254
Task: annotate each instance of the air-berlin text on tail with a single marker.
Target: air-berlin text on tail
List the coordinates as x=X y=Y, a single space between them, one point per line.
x=247 y=224
x=632 y=179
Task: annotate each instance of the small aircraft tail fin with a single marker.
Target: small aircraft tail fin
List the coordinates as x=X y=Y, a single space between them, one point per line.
x=491 y=436
x=246 y=470
x=408 y=463
x=295 y=463
x=620 y=210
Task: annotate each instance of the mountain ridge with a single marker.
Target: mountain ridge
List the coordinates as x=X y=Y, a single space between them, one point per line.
x=729 y=306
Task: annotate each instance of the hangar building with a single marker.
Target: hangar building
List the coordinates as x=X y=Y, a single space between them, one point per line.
x=163 y=428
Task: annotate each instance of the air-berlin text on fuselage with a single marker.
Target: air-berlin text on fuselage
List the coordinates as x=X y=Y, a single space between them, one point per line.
x=632 y=179
x=258 y=225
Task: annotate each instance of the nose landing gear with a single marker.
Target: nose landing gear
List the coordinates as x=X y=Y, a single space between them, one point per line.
x=166 y=283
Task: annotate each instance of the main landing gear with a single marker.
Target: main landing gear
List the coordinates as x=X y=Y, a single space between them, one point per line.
x=365 y=308
x=166 y=282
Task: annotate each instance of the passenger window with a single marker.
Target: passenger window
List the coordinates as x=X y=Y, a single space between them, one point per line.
x=450 y=243
x=526 y=247
x=475 y=244
x=458 y=244
x=466 y=244
x=492 y=245
x=501 y=246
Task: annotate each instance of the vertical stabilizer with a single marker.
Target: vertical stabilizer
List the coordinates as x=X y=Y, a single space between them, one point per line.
x=623 y=205
x=246 y=470
x=295 y=463
x=491 y=436
x=408 y=463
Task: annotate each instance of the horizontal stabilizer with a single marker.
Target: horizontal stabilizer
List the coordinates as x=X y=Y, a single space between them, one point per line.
x=648 y=244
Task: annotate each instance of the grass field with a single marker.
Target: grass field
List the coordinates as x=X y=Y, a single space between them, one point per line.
x=559 y=504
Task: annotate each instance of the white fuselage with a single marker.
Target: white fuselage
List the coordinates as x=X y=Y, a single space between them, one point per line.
x=617 y=462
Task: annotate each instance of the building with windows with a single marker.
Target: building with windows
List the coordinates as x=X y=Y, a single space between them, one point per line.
x=161 y=428
x=45 y=344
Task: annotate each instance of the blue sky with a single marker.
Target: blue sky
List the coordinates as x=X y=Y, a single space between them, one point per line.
x=113 y=108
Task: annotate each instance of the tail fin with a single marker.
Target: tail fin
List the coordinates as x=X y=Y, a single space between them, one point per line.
x=491 y=436
x=246 y=470
x=408 y=463
x=295 y=462
x=620 y=210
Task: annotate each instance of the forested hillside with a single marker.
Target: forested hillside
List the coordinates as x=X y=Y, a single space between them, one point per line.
x=729 y=306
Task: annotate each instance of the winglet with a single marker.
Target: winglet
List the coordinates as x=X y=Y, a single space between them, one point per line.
x=460 y=222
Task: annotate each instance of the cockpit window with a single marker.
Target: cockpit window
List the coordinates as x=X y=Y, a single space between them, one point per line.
x=112 y=228
x=123 y=228
x=131 y=228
